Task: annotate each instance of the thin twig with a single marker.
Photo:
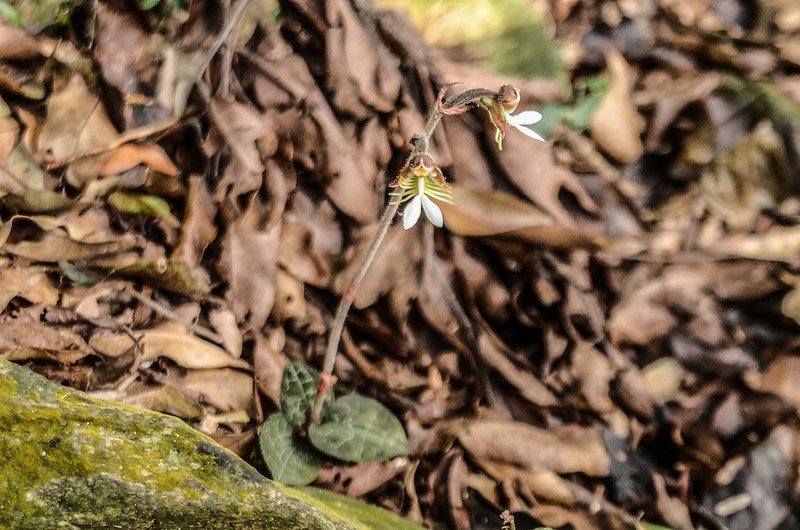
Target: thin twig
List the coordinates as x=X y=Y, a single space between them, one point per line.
x=230 y=24
x=164 y=311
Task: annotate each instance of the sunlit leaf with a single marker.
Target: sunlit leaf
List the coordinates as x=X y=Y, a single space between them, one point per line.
x=359 y=429
x=143 y=204
x=290 y=460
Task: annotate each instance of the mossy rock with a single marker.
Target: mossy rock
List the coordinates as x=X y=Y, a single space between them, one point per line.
x=70 y=460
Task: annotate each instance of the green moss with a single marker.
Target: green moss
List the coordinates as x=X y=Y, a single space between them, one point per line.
x=74 y=461
x=355 y=513
x=90 y=463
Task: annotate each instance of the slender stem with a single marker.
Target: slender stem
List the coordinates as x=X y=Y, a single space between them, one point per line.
x=347 y=300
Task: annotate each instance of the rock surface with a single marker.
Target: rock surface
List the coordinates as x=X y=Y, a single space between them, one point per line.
x=70 y=460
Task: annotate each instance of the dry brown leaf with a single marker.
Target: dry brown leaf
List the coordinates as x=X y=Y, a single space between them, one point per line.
x=556 y=517
x=360 y=479
x=27 y=333
x=530 y=166
x=782 y=378
x=16 y=44
x=198 y=229
x=545 y=485
x=393 y=273
x=53 y=247
x=526 y=383
x=123 y=50
x=300 y=256
x=166 y=399
x=616 y=125
x=224 y=322
x=225 y=389
x=241 y=126
x=250 y=264
x=30 y=283
x=643 y=313
x=566 y=449
x=594 y=373
x=290 y=300
x=480 y=213
x=358 y=60
x=172 y=342
x=76 y=122
x=268 y=365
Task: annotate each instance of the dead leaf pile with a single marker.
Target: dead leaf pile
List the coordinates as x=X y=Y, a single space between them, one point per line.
x=606 y=334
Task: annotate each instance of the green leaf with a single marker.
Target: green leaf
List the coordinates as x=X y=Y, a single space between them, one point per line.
x=9 y=12
x=143 y=204
x=298 y=390
x=359 y=429
x=145 y=5
x=290 y=460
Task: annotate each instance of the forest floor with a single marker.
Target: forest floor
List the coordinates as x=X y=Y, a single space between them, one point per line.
x=603 y=335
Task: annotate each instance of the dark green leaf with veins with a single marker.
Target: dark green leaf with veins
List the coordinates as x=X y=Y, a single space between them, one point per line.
x=290 y=460
x=359 y=429
x=298 y=389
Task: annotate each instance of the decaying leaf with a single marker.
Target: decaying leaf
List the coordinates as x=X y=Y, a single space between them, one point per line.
x=173 y=343
x=568 y=449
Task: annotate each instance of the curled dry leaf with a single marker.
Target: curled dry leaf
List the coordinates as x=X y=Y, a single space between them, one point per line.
x=567 y=449
x=128 y=156
x=172 y=342
x=198 y=229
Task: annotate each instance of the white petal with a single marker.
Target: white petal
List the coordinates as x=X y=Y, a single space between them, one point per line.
x=412 y=211
x=432 y=211
x=529 y=117
x=527 y=131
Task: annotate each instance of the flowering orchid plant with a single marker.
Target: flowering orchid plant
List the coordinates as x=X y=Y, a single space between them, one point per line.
x=421 y=184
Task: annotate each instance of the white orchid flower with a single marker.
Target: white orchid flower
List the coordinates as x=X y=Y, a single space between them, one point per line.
x=519 y=122
x=420 y=202
x=418 y=184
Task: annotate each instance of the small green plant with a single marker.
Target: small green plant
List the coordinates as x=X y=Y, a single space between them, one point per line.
x=354 y=428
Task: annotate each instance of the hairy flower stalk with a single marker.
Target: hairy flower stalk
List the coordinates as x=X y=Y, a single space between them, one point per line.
x=420 y=184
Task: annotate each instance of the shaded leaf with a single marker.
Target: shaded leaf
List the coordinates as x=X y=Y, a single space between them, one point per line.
x=289 y=459
x=359 y=429
x=480 y=213
x=298 y=390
